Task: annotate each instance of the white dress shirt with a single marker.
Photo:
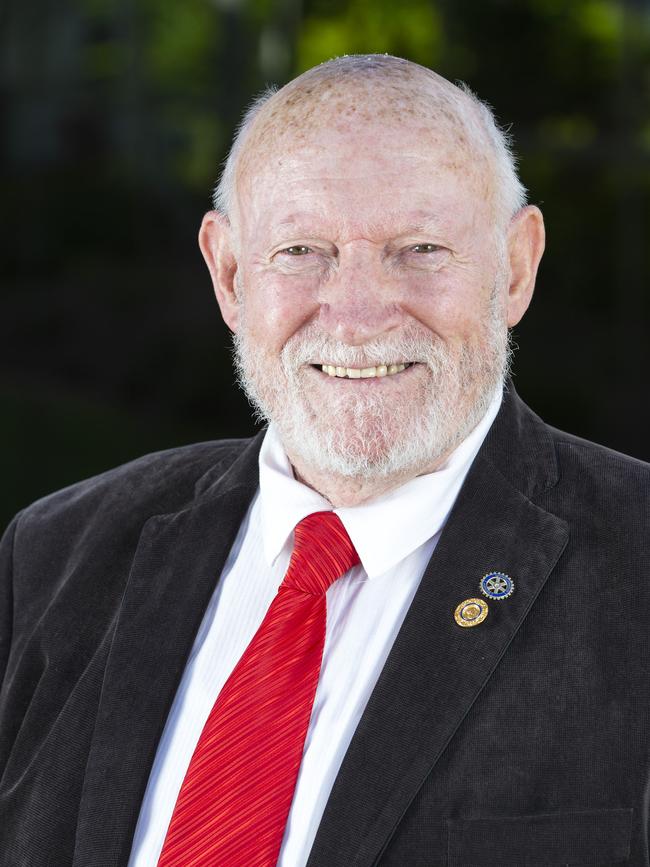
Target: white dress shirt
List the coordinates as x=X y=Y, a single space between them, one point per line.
x=394 y=536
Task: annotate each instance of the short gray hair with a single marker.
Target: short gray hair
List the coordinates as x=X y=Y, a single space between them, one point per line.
x=224 y=192
x=480 y=123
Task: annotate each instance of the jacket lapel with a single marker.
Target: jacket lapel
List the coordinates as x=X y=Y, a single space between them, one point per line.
x=177 y=564
x=436 y=669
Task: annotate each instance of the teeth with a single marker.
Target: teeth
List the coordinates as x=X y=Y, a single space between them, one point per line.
x=364 y=372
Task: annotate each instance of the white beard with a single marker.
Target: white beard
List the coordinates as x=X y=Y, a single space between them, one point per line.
x=365 y=433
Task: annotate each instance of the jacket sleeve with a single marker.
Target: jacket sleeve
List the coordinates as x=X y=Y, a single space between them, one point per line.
x=6 y=596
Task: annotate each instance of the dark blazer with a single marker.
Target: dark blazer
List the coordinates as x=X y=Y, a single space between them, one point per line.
x=521 y=741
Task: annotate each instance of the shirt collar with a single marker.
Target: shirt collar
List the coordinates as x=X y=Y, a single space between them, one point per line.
x=385 y=530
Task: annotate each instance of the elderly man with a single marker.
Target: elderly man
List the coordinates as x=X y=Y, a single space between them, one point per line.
x=408 y=624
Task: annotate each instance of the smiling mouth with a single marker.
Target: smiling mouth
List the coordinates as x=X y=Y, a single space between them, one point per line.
x=363 y=372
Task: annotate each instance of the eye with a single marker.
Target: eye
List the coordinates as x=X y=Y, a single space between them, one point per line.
x=425 y=248
x=297 y=250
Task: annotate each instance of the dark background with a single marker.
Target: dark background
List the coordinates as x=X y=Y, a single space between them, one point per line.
x=115 y=117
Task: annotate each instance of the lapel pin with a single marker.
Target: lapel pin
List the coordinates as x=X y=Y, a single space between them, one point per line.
x=471 y=612
x=497 y=585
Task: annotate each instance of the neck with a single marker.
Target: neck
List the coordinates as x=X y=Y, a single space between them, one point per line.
x=346 y=491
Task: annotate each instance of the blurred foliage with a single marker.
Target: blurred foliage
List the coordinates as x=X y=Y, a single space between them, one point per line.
x=116 y=115
x=413 y=30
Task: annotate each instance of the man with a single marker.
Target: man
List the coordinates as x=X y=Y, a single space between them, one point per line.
x=482 y=697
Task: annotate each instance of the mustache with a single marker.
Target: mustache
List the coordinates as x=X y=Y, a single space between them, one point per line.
x=312 y=346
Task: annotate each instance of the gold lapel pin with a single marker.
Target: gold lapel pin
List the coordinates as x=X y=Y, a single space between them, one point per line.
x=471 y=612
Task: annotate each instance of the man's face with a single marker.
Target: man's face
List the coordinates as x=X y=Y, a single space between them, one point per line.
x=371 y=253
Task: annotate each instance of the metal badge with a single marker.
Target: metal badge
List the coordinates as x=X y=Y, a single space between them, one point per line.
x=471 y=612
x=497 y=585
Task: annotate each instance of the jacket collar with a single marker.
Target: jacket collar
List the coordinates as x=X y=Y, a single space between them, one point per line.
x=519 y=445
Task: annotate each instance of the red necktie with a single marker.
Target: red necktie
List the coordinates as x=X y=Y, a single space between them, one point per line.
x=233 y=805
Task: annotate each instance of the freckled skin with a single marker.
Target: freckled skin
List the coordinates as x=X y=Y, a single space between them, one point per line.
x=360 y=212
x=315 y=103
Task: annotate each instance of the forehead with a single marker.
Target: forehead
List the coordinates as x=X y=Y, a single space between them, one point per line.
x=369 y=178
x=341 y=137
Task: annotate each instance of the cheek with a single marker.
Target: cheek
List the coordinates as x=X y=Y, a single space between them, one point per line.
x=276 y=309
x=449 y=306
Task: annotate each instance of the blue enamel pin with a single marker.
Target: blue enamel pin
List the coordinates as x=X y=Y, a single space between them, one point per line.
x=497 y=585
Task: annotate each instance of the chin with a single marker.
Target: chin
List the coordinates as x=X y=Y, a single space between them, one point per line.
x=364 y=446
x=371 y=439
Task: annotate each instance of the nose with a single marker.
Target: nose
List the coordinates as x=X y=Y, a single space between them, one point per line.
x=360 y=299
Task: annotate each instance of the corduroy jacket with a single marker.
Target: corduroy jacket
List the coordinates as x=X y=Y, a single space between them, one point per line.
x=522 y=741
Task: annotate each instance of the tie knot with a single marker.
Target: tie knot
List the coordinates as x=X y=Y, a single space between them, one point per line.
x=322 y=552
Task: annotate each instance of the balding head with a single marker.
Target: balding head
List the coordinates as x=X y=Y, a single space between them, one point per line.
x=350 y=92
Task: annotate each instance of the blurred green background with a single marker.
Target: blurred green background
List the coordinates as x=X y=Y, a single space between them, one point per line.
x=115 y=118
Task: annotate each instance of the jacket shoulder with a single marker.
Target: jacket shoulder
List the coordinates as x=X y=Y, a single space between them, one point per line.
x=593 y=457
x=572 y=477
x=614 y=487
x=155 y=483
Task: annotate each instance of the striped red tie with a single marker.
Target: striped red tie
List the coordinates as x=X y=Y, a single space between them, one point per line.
x=233 y=805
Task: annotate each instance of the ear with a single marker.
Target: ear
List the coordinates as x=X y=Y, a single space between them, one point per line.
x=216 y=243
x=525 y=247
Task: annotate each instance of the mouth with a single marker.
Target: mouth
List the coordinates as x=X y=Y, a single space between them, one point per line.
x=377 y=372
